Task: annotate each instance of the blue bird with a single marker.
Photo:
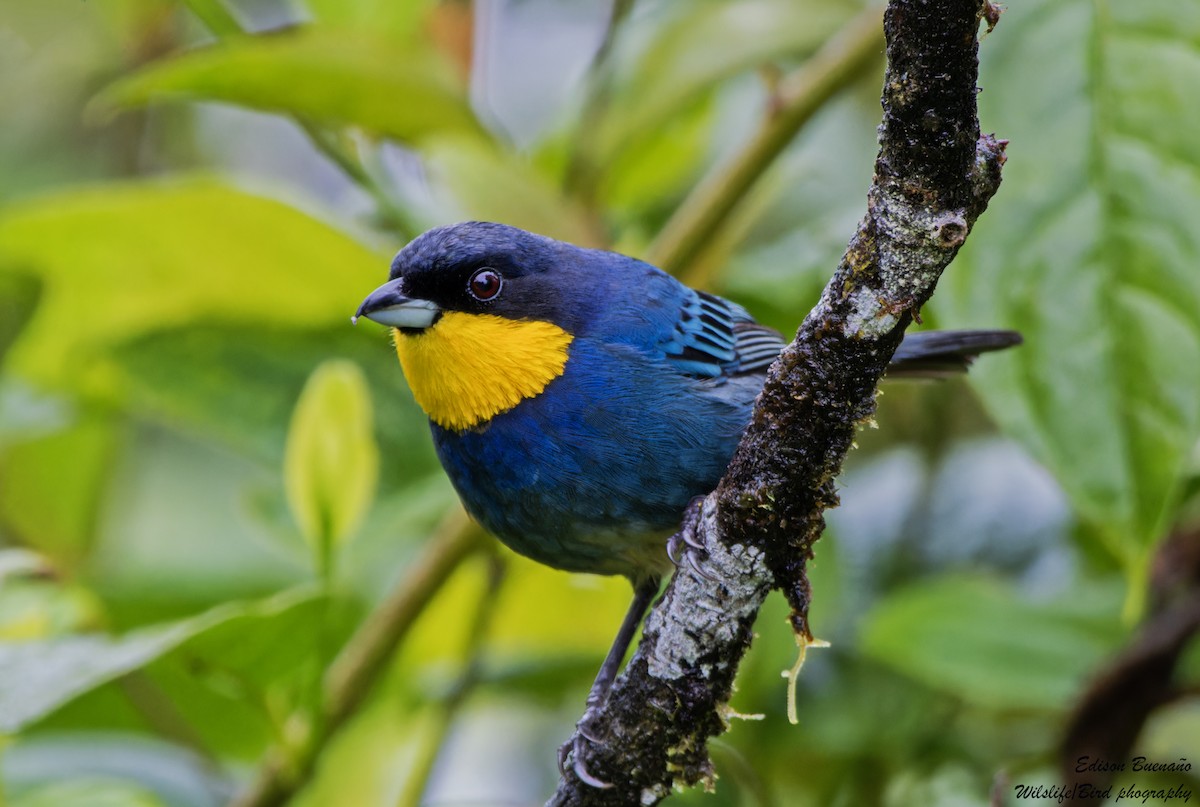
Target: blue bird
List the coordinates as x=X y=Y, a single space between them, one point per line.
x=579 y=399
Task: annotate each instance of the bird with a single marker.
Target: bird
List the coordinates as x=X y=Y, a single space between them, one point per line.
x=579 y=399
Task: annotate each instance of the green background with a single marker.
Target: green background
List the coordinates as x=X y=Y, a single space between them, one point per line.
x=208 y=479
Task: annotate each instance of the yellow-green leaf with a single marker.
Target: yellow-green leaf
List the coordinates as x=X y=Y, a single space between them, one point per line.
x=331 y=461
x=19 y=294
x=401 y=19
x=52 y=487
x=41 y=676
x=707 y=43
x=344 y=76
x=120 y=260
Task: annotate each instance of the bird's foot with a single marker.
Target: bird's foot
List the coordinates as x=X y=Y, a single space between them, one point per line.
x=685 y=547
x=590 y=731
x=587 y=732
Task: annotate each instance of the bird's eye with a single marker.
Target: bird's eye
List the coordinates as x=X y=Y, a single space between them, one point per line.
x=485 y=284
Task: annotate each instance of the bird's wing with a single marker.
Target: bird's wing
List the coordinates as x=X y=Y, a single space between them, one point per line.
x=714 y=337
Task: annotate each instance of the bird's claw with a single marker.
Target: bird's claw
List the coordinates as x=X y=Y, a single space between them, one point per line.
x=585 y=732
x=581 y=767
x=587 y=727
x=591 y=730
x=697 y=568
x=684 y=546
x=674 y=543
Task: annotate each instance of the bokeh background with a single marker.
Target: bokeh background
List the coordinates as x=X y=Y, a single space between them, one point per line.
x=209 y=481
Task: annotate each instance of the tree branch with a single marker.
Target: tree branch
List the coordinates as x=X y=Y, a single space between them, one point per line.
x=582 y=174
x=697 y=221
x=933 y=177
x=447 y=707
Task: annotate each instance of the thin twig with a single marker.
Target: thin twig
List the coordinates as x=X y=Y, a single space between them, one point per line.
x=448 y=707
x=697 y=221
x=369 y=649
x=364 y=658
x=582 y=175
x=224 y=25
x=389 y=214
x=217 y=18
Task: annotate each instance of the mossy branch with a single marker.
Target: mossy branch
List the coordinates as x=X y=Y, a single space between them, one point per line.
x=934 y=176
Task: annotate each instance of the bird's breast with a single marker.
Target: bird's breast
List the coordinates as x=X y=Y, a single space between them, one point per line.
x=588 y=475
x=468 y=368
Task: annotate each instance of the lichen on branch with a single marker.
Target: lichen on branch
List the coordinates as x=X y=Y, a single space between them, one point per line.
x=933 y=177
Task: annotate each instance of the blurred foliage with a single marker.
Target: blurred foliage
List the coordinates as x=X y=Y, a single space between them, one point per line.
x=1113 y=234
x=196 y=196
x=331 y=462
x=333 y=77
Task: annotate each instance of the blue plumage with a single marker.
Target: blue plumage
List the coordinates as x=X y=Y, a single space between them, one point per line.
x=659 y=382
x=580 y=399
x=584 y=475
x=588 y=475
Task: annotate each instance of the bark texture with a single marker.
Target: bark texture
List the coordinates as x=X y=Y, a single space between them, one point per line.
x=933 y=177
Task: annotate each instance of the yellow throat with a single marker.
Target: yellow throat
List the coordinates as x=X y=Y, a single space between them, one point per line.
x=467 y=368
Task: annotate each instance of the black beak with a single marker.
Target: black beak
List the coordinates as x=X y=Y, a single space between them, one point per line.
x=387 y=305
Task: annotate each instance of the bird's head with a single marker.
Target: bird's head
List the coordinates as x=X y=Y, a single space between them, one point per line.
x=480 y=268
x=483 y=315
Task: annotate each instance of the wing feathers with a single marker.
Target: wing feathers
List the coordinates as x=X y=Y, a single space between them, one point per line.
x=714 y=337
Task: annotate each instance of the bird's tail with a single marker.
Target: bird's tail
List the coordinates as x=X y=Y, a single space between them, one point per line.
x=935 y=354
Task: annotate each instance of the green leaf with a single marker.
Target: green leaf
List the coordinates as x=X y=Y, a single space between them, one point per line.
x=988 y=644
x=231 y=686
x=19 y=295
x=264 y=643
x=216 y=17
x=331 y=463
x=239 y=384
x=51 y=487
x=391 y=88
x=73 y=768
x=121 y=260
x=41 y=676
x=1091 y=249
x=397 y=19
